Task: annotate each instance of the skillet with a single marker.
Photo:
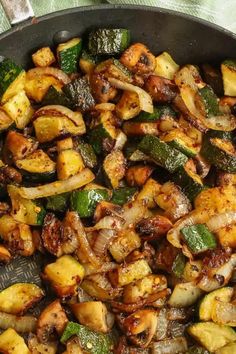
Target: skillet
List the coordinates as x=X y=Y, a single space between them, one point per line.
x=186 y=38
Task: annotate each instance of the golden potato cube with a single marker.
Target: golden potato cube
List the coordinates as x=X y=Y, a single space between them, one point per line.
x=43 y=57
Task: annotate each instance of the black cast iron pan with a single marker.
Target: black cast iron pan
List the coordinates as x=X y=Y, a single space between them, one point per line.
x=186 y=38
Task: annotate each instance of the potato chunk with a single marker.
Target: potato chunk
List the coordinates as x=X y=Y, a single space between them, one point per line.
x=43 y=57
x=12 y=343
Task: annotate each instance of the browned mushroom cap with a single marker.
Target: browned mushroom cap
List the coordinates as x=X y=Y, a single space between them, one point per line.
x=51 y=322
x=138 y=59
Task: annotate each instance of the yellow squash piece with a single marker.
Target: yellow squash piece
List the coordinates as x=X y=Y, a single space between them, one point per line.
x=12 y=343
x=166 y=66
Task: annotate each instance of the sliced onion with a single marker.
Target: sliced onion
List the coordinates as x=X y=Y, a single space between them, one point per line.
x=209 y=282
x=80 y=179
x=195 y=217
x=145 y=100
x=105 y=106
x=84 y=245
x=226 y=122
x=108 y=222
x=59 y=110
x=103 y=241
x=170 y=346
x=121 y=140
x=22 y=324
x=219 y=221
x=57 y=73
x=162 y=325
x=104 y=268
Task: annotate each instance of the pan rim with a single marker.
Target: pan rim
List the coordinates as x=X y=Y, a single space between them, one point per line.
x=81 y=9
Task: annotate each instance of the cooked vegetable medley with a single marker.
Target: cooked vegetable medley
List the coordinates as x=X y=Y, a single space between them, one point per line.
x=120 y=167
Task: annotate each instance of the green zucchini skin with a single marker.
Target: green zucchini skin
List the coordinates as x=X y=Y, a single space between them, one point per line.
x=85 y=201
x=162 y=154
x=79 y=93
x=219 y=134
x=97 y=136
x=158 y=113
x=53 y=96
x=9 y=71
x=88 y=155
x=178 y=265
x=190 y=186
x=198 y=238
x=38 y=177
x=108 y=41
x=209 y=101
x=68 y=57
x=122 y=195
x=100 y=343
x=41 y=215
x=177 y=144
x=58 y=203
x=217 y=156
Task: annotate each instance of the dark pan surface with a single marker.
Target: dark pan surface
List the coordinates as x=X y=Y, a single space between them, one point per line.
x=187 y=39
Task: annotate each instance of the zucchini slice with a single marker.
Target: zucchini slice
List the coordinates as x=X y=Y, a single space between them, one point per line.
x=114 y=166
x=221 y=153
x=25 y=210
x=106 y=41
x=184 y=295
x=159 y=112
x=87 y=62
x=114 y=68
x=198 y=238
x=87 y=153
x=128 y=105
x=85 y=201
x=228 y=69
x=64 y=275
x=211 y=335
x=69 y=163
x=205 y=308
x=161 y=153
x=19 y=109
x=189 y=181
x=166 y=66
x=122 y=195
x=12 y=343
x=58 y=202
x=48 y=128
x=79 y=93
x=37 y=167
x=55 y=96
x=179 y=140
x=12 y=79
x=68 y=54
x=207 y=101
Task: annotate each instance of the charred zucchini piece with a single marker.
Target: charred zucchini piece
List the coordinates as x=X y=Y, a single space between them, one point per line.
x=92 y=314
x=12 y=343
x=129 y=272
x=87 y=153
x=184 y=295
x=114 y=68
x=208 y=102
x=96 y=343
x=64 y=275
x=198 y=238
x=19 y=146
x=219 y=134
x=179 y=265
x=25 y=210
x=114 y=167
x=228 y=69
x=56 y=96
x=221 y=153
x=19 y=109
x=19 y=297
x=69 y=163
x=106 y=41
x=100 y=134
x=140 y=129
x=68 y=54
x=166 y=66
x=211 y=335
x=87 y=62
x=12 y=79
x=43 y=57
x=85 y=201
x=128 y=105
x=79 y=93
x=179 y=140
x=49 y=128
x=122 y=195
x=126 y=242
x=5 y=120
x=37 y=167
x=205 y=308
x=161 y=153
x=58 y=202
x=189 y=181
x=159 y=112
x=212 y=76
